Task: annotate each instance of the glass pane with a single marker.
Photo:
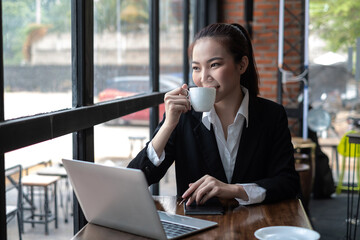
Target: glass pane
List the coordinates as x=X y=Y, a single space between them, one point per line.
x=37 y=56
x=121 y=53
x=40 y=160
x=171 y=65
x=121 y=58
x=116 y=145
x=333 y=88
x=121 y=48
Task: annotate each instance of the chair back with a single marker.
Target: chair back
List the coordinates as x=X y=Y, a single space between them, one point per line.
x=346 y=149
x=13 y=181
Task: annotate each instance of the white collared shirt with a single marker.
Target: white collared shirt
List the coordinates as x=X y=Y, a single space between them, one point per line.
x=228 y=148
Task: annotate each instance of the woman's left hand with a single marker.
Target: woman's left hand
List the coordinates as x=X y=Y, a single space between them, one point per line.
x=208 y=187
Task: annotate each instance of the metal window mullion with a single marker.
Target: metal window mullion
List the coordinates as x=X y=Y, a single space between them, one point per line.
x=3 y=228
x=82 y=32
x=154 y=69
x=186 y=11
x=206 y=12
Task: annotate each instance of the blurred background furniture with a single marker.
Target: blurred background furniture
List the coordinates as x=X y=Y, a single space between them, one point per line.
x=303 y=167
x=332 y=144
x=344 y=150
x=46 y=216
x=133 y=140
x=60 y=171
x=13 y=182
x=305 y=154
x=352 y=150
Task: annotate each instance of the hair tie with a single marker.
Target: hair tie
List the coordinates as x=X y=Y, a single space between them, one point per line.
x=237 y=27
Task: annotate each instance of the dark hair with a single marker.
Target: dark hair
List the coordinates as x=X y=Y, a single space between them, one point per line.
x=236 y=40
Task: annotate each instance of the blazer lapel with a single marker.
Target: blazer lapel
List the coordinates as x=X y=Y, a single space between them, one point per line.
x=248 y=143
x=209 y=149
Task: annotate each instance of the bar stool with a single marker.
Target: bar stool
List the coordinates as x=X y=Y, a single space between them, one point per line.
x=60 y=172
x=343 y=150
x=43 y=182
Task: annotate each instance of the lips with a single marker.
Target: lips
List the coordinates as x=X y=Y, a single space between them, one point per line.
x=216 y=87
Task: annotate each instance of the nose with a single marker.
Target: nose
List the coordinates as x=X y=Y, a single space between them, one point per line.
x=205 y=76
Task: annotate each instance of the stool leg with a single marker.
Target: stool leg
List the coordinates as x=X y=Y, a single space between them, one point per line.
x=61 y=195
x=22 y=211
x=341 y=177
x=67 y=199
x=32 y=205
x=55 y=205
x=337 y=163
x=358 y=173
x=46 y=210
x=40 y=204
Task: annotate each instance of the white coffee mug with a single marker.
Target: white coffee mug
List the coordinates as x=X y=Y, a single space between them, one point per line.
x=202 y=98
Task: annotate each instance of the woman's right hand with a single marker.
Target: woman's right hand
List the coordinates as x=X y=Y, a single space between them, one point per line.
x=176 y=103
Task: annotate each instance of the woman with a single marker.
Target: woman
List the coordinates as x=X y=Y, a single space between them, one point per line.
x=242 y=147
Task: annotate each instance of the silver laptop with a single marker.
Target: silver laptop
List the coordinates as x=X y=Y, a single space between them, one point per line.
x=119 y=198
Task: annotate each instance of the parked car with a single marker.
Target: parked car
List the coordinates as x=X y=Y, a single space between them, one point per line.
x=126 y=86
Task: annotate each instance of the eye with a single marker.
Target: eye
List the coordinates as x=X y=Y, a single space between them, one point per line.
x=195 y=68
x=215 y=65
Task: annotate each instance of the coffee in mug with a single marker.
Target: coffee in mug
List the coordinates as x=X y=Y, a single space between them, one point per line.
x=202 y=98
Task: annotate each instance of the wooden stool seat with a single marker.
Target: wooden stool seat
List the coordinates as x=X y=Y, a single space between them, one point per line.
x=37 y=180
x=46 y=217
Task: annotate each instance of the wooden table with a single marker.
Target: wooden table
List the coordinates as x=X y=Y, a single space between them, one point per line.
x=238 y=222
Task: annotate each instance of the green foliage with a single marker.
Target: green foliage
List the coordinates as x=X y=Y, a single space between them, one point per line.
x=57 y=14
x=16 y=16
x=19 y=17
x=336 y=21
x=131 y=14
x=18 y=22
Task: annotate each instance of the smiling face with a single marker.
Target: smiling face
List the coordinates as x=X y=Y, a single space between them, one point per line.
x=214 y=66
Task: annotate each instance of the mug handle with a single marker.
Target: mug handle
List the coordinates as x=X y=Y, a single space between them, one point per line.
x=187 y=93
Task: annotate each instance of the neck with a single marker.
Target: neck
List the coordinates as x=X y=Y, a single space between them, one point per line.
x=227 y=110
x=230 y=105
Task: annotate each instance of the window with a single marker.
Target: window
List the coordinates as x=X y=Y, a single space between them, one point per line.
x=37 y=56
x=66 y=63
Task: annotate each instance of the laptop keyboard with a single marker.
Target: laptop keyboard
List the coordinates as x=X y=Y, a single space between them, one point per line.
x=174 y=230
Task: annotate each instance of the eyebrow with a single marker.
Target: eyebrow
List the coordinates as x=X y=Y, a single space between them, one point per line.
x=210 y=60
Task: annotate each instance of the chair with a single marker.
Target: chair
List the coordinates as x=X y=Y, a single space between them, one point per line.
x=343 y=149
x=303 y=167
x=13 y=175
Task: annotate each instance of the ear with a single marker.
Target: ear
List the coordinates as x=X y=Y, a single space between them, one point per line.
x=242 y=66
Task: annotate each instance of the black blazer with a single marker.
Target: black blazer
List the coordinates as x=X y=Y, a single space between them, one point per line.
x=265 y=155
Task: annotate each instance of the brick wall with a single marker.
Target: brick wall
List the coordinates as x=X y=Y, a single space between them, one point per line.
x=265 y=42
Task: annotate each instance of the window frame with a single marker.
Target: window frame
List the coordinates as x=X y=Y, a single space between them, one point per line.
x=84 y=114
